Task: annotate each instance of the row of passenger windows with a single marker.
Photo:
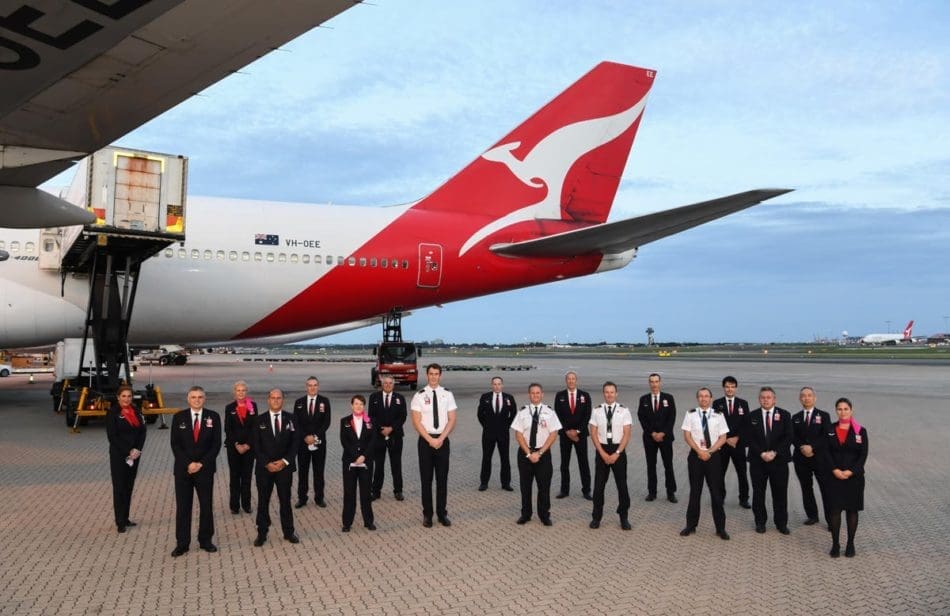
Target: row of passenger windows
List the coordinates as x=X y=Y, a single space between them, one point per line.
x=28 y=247
x=282 y=257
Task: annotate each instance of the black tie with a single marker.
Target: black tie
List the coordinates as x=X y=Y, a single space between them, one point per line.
x=768 y=424
x=497 y=403
x=706 y=431
x=311 y=407
x=387 y=402
x=435 y=410
x=276 y=424
x=807 y=418
x=610 y=425
x=533 y=439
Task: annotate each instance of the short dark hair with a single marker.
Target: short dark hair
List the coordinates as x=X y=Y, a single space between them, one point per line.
x=706 y=389
x=435 y=366
x=196 y=388
x=654 y=374
x=766 y=388
x=846 y=401
x=730 y=379
x=608 y=384
x=358 y=397
x=496 y=377
x=533 y=385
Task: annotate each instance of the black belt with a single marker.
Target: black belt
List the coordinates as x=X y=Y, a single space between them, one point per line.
x=435 y=435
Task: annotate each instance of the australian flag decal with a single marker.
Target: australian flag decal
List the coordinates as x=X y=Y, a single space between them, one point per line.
x=266 y=239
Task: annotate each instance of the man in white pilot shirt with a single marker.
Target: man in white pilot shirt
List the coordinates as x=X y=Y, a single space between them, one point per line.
x=610 y=426
x=705 y=431
x=433 y=417
x=536 y=427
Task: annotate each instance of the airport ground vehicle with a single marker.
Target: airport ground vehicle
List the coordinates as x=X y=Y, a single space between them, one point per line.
x=171 y=355
x=394 y=356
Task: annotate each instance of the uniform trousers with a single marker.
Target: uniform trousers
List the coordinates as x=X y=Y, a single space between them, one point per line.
x=710 y=472
x=772 y=474
x=434 y=462
x=266 y=481
x=186 y=486
x=490 y=440
x=601 y=471
x=392 y=445
x=240 y=469
x=583 y=464
x=351 y=478
x=809 y=472
x=737 y=455
x=307 y=459
x=650 y=448
x=539 y=472
x=123 y=480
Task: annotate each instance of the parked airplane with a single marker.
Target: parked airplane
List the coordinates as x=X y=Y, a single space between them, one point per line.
x=531 y=209
x=905 y=336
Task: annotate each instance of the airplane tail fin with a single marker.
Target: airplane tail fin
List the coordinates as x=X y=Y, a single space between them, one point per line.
x=561 y=166
x=908 y=329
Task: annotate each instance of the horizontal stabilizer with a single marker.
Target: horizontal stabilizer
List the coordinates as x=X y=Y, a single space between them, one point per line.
x=624 y=235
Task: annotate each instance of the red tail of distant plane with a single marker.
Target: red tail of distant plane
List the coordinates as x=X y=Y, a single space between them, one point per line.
x=908 y=329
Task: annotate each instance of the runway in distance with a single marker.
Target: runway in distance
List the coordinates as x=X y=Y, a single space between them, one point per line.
x=903 y=337
x=529 y=210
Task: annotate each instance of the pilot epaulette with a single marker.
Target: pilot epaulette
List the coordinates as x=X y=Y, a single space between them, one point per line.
x=693 y=410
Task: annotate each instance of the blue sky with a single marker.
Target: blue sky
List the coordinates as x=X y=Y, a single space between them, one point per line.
x=847 y=102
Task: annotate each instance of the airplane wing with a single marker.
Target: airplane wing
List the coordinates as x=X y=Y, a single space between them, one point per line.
x=78 y=75
x=621 y=236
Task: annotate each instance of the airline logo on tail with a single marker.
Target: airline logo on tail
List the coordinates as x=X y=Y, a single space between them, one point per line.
x=908 y=330
x=548 y=163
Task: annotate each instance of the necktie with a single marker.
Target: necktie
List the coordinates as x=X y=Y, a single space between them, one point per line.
x=807 y=418
x=386 y=403
x=497 y=403
x=730 y=407
x=311 y=407
x=435 y=410
x=533 y=438
x=196 y=428
x=610 y=425
x=276 y=424
x=768 y=424
x=706 y=431
x=572 y=403
x=656 y=403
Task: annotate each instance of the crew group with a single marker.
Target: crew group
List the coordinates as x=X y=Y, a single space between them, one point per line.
x=717 y=432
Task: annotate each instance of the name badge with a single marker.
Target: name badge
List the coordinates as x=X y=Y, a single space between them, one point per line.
x=857 y=439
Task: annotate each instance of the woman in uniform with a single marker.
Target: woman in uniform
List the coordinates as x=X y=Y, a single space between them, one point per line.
x=358 y=439
x=125 y=427
x=845 y=455
x=239 y=417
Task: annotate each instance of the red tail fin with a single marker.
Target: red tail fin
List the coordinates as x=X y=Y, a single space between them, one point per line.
x=562 y=164
x=908 y=329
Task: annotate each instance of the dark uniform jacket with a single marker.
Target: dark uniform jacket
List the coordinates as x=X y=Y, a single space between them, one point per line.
x=813 y=434
x=394 y=418
x=123 y=438
x=353 y=446
x=497 y=423
x=184 y=447
x=779 y=439
x=662 y=420
x=581 y=416
x=234 y=431
x=848 y=457
x=740 y=414
x=267 y=448
x=321 y=417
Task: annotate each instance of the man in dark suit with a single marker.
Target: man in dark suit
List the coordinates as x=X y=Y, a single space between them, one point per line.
x=195 y=442
x=312 y=415
x=769 y=436
x=809 y=426
x=573 y=408
x=736 y=412
x=496 y=411
x=388 y=412
x=274 y=443
x=657 y=415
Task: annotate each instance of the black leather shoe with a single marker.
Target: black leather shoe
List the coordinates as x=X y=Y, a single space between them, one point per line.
x=370 y=526
x=524 y=519
x=672 y=498
x=686 y=532
x=178 y=551
x=745 y=504
x=346 y=529
x=292 y=538
x=587 y=496
x=835 y=551
x=594 y=524
x=121 y=529
x=625 y=524
x=849 y=550
x=321 y=503
x=507 y=488
x=248 y=509
x=547 y=521
x=427 y=522
x=130 y=523
x=811 y=521
x=210 y=547
x=444 y=520
x=235 y=510
x=561 y=495
x=300 y=503
x=399 y=496
x=483 y=487
x=650 y=498
x=260 y=540
x=784 y=530
x=723 y=535
x=760 y=528
x=375 y=496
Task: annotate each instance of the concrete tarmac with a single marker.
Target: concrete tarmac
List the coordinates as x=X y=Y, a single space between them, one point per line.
x=60 y=552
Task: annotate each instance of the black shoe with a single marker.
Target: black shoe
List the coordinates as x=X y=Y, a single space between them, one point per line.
x=444 y=520
x=686 y=532
x=760 y=528
x=524 y=519
x=427 y=521
x=745 y=504
x=482 y=487
x=292 y=538
x=374 y=496
x=235 y=510
x=784 y=530
x=507 y=488
x=650 y=498
x=587 y=496
x=321 y=503
x=248 y=509
x=561 y=495
x=121 y=528
x=547 y=521
x=835 y=551
x=300 y=503
x=370 y=526
x=178 y=551
x=346 y=529
x=210 y=547
x=625 y=524
x=594 y=524
x=260 y=540
x=672 y=498
x=130 y=523
x=399 y=496
x=723 y=535
x=849 y=550
x=811 y=521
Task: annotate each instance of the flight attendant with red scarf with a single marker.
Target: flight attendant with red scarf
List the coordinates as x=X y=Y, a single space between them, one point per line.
x=125 y=427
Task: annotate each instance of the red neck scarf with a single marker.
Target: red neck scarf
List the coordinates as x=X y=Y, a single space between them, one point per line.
x=242 y=407
x=129 y=414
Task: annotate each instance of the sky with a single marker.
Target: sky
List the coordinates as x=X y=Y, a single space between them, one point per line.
x=846 y=102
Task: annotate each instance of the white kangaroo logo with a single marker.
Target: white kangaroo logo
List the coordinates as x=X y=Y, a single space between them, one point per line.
x=549 y=161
